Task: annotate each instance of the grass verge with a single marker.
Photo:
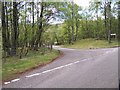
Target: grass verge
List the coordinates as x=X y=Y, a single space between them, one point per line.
x=15 y=66
x=92 y=44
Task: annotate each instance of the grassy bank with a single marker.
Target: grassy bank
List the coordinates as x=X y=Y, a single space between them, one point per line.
x=91 y=44
x=15 y=66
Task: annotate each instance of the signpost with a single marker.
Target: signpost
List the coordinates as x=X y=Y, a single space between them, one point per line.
x=113 y=35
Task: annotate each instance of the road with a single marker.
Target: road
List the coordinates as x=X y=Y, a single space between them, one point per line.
x=94 y=68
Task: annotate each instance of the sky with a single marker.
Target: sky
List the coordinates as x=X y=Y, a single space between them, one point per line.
x=83 y=3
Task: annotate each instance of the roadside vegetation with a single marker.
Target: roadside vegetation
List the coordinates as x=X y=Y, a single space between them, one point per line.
x=92 y=44
x=15 y=66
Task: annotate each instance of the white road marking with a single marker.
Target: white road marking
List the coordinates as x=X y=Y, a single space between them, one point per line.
x=15 y=80
x=36 y=74
x=6 y=82
x=76 y=62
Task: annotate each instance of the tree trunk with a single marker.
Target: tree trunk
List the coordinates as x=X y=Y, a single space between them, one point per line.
x=33 y=37
x=25 y=39
x=39 y=32
x=105 y=20
x=15 y=29
x=109 y=31
x=8 y=32
x=97 y=24
x=3 y=30
x=76 y=36
x=119 y=20
x=72 y=25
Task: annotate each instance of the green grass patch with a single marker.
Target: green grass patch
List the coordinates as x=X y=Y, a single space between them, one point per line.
x=92 y=43
x=15 y=65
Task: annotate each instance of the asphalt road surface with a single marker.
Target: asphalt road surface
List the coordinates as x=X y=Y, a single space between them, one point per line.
x=95 y=68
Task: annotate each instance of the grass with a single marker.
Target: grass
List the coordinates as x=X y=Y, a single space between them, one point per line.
x=92 y=43
x=14 y=65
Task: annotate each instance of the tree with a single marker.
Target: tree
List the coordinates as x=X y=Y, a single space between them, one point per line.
x=77 y=19
x=118 y=19
x=7 y=30
x=33 y=38
x=15 y=28
x=25 y=24
x=109 y=29
x=72 y=25
x=105 y=18
x=4 y=29
x=71 y=16
x=40 y=29
x=94 y=7
x=97 y=29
